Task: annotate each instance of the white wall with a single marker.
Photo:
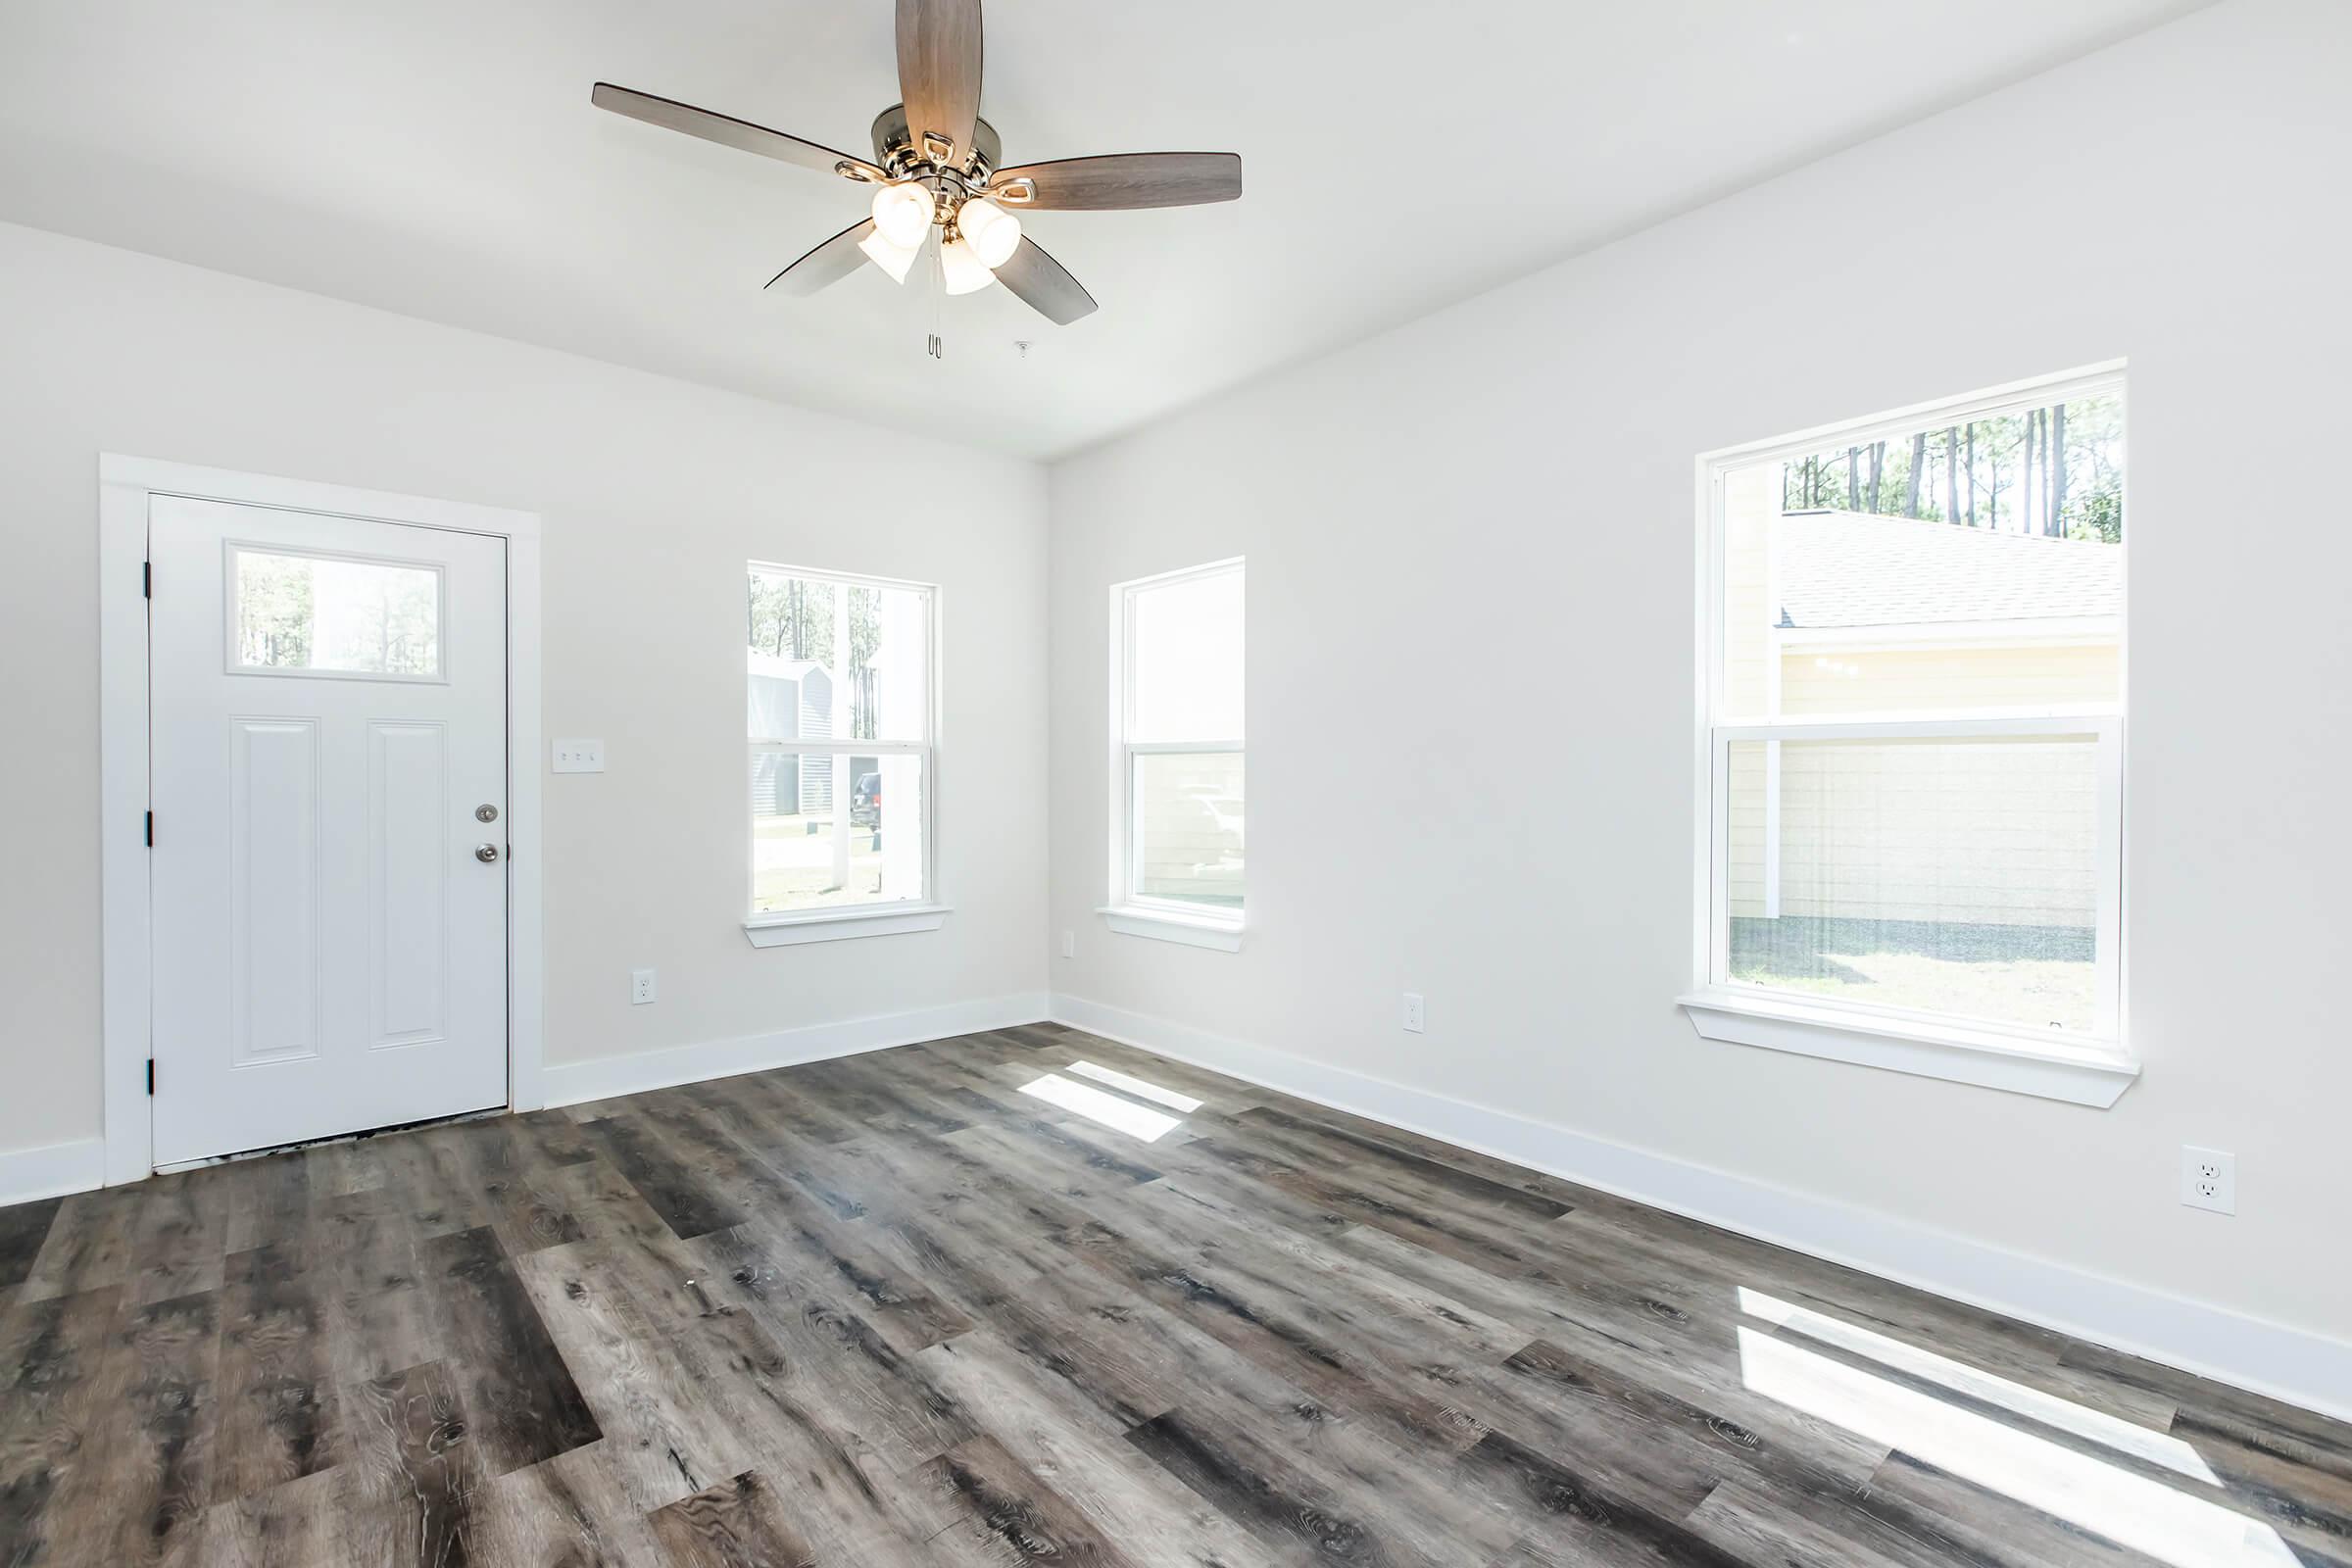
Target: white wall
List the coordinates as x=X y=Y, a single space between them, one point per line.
x=653 y=493
x=1497 y=498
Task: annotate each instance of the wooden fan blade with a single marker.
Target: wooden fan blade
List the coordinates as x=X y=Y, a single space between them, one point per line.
x=939 y=76
x=830 y=263
x=1120 y=181
x=729 y=131
x=1043 y=284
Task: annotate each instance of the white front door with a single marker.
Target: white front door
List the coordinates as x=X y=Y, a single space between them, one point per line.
x=329 y=786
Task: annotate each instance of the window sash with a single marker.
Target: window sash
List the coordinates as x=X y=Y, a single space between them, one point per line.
x=1134 y=835
x=2102 y=726
x=819 y=746
x=843 y=829
x=1179 y=748
x=1128 y=593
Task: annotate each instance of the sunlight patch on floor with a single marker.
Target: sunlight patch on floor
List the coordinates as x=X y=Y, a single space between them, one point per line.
x=2123 y=1505
x=2157 y=1447
x=1095 y=1105
x=1137 y=1087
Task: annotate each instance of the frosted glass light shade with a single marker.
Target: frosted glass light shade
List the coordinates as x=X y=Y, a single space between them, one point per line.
x=960 y=270
x=990 y=230
x=892 y=259
x=903 y=211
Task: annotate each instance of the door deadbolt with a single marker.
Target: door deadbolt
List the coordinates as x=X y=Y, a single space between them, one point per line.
x=485 y=813
x=485 y=853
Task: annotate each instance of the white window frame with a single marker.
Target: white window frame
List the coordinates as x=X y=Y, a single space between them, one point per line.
x=1129 y=912
x=2090 y=1070
x=791 y=927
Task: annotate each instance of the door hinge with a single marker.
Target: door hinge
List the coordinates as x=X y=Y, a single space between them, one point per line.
x=150 y=1075
x=151 y=830
x=146 y=579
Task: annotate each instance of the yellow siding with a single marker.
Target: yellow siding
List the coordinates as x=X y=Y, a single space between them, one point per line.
x=1819 y=680
x=1983 y=833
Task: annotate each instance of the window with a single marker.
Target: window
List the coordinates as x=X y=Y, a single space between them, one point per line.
x=841 y=733
x=306 y=615
x=1915 y=680
x=1177 y=776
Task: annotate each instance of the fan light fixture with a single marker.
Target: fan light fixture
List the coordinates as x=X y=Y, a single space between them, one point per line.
x=992 y=233
x=892 y=259
x=961 y=268
x=902 y=213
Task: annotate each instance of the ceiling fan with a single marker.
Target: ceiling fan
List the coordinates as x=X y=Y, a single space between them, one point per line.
x=938 y=165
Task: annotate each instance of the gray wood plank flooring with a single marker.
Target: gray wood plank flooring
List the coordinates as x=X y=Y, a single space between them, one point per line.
x=893 y=1310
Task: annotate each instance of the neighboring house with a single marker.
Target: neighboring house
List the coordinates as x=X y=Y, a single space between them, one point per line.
x=789 y=699
x=1859 y=613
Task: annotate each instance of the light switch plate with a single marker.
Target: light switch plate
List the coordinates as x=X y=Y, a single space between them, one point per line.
x=579 y=756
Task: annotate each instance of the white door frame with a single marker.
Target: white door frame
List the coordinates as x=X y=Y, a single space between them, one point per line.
x=124 y=485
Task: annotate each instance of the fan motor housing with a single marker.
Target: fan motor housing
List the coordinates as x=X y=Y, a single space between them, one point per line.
x=894 y=143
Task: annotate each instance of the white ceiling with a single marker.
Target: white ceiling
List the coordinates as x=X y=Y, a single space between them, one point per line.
x=440 y=158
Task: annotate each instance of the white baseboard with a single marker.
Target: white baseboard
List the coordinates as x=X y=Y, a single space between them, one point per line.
x=29 y=1173
x=569 y=1083
x=2252 y=1354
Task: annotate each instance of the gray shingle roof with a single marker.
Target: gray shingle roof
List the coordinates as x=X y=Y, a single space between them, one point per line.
x=1855 y=568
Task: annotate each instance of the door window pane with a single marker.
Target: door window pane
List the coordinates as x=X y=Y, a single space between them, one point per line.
x=1951 y=876
x=334 y=615
x=1188 y=827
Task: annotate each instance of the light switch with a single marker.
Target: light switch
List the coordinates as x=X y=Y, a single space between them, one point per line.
x=579 y=756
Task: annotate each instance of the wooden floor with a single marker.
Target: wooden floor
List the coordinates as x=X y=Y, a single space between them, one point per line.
x=894 y=1310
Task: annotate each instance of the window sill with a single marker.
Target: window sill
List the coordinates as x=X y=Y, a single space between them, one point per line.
x=835 y=925
x=1161 y=925
x=2086 y=1075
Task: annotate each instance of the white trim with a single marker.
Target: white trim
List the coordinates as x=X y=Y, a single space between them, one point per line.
x=125 y=485
x=2096 y=1074
x=819 y=746
x=1183 y=748
x=50 y=1172
x=2272 y=1359
x=832 y=925
x=571 y=1083
x=1164 y=925
x=2086 y=722
x=2034 y=631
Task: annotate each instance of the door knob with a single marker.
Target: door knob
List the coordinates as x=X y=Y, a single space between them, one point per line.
x=485 y=853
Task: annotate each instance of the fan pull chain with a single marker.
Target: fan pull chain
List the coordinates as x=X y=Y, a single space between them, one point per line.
x=939 y=295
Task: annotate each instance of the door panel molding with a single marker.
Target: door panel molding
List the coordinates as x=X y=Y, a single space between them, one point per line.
x=126 y=488
x=408 y=798
x=276 y=894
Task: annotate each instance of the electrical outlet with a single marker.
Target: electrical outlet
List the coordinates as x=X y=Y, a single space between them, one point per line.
x=2209 y=1179
x=1412 y=1012
x=1070 y=944
x=579 y=756
x=641 y=987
